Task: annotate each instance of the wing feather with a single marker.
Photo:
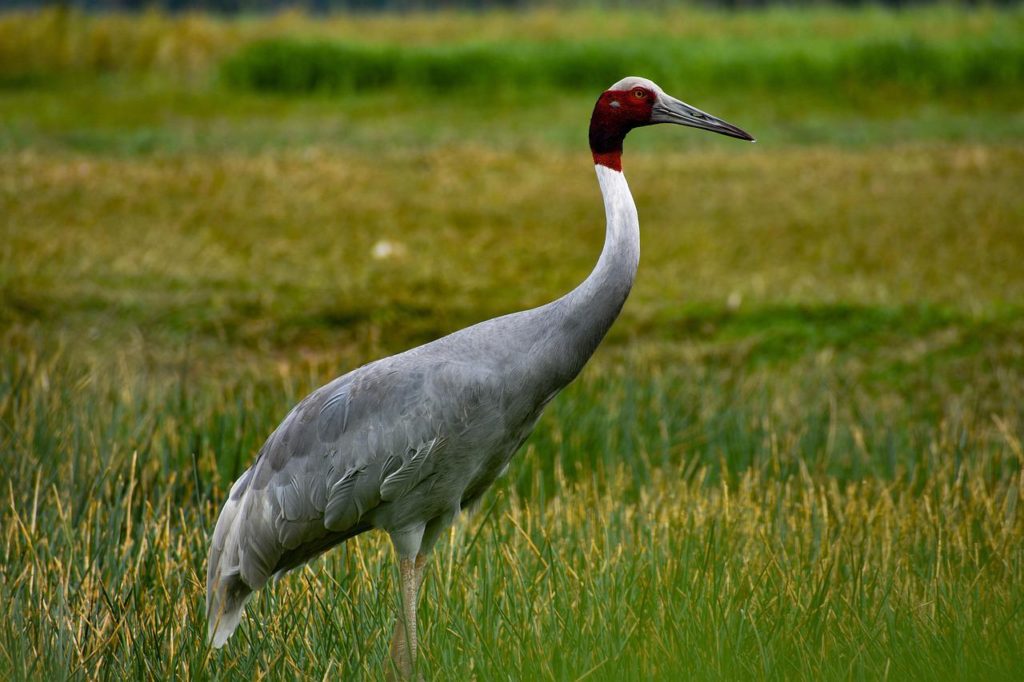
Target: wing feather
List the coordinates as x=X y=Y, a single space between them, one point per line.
x=333 y=422
x=342 y=511
x=405 y=477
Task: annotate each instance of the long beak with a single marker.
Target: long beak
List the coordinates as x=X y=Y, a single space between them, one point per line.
x=670 y=110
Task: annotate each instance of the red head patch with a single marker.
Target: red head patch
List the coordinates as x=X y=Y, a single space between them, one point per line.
x=615 y=114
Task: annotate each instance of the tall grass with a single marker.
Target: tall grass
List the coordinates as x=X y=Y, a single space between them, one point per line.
x=641 y=538
x=40 y=45
x=291 y=66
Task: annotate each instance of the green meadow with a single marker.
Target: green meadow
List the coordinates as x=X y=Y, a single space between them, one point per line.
x=799 y=453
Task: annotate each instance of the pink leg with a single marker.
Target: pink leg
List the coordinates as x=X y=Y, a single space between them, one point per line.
x=404 y=642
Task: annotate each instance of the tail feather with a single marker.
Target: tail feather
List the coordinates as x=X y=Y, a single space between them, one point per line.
x=226 y=592
x=252 y=542
x=224 y=607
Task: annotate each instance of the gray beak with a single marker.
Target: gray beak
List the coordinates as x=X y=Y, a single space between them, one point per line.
x=670 y=110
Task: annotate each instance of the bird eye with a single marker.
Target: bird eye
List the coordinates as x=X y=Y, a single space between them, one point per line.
x=640 y=93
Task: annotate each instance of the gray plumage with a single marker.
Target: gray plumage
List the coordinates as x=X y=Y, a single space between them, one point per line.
x=406 y=442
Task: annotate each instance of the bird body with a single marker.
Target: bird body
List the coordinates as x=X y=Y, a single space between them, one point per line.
x=404 y=443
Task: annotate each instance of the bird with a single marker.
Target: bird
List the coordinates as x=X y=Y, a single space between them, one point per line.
x=406 y=443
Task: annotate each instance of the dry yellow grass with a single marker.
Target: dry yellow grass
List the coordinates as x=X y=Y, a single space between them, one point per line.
x=265 y=252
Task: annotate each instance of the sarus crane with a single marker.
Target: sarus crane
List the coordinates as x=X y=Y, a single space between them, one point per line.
x=405 y=443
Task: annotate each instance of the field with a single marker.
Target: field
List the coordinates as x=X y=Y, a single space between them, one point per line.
x=799 y=454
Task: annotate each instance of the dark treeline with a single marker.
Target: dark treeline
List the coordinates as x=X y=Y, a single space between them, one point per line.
x=233 y=6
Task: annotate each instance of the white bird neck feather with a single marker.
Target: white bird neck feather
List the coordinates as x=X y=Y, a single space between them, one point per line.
x=621 y=253
x=588 y=311
x=603 y=292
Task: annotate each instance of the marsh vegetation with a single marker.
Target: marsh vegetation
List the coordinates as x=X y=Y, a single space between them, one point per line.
x=798 y=454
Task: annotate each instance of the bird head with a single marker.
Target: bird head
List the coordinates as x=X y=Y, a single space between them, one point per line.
x=634 y=102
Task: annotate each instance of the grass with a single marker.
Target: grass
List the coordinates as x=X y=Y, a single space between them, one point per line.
x=189 y=46
x=798 y=454
x=687 y=523
x=157 y=84
x=290 y=65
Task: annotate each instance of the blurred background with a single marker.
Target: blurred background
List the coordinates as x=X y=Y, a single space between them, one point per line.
x=209 y=208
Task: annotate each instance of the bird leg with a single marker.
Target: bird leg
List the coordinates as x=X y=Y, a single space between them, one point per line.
x=404 y=642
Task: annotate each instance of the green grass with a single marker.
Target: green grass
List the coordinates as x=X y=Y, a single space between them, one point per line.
x=190 y=46
x=798 y=455
x=295 y=66
x=121 y=117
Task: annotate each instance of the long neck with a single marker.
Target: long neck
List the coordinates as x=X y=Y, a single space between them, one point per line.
x=587 y=312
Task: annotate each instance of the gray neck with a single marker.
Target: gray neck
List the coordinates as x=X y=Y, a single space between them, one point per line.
x=582 y=317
